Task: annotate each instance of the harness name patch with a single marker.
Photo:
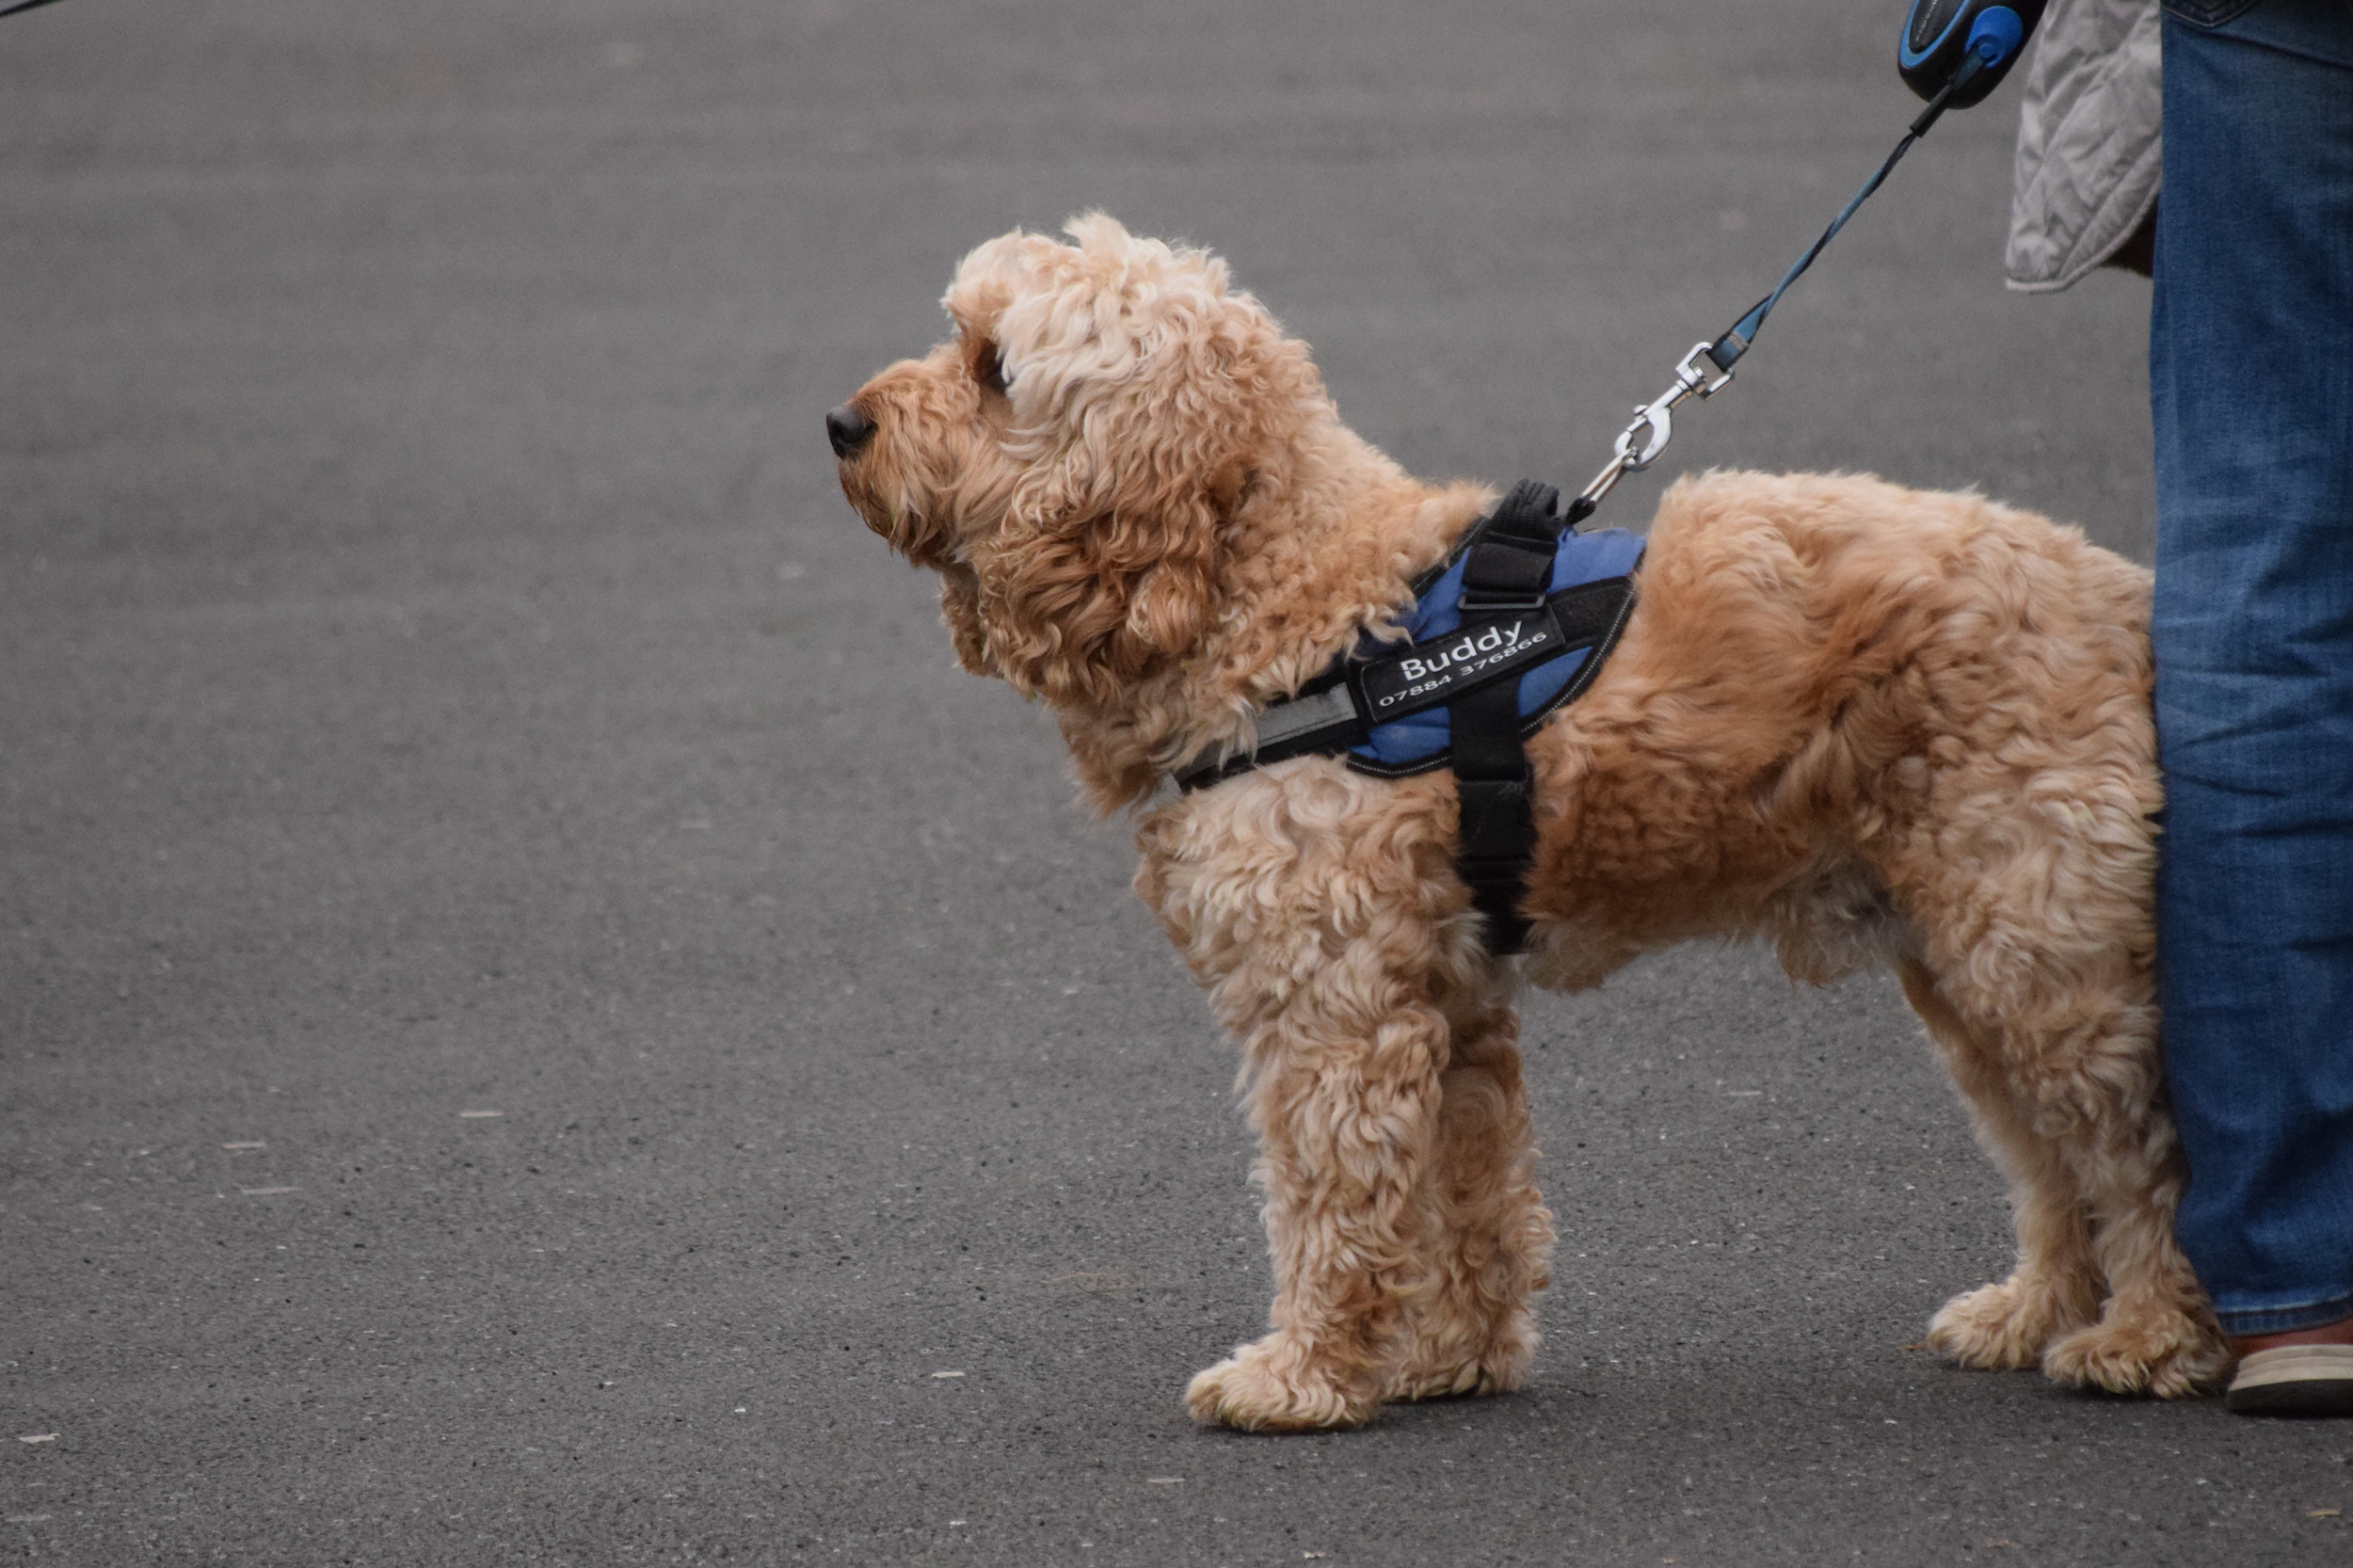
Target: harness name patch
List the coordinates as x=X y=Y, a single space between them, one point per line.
x=1478 y=653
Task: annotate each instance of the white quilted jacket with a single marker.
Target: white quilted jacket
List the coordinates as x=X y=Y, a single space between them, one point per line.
x=2086 y=167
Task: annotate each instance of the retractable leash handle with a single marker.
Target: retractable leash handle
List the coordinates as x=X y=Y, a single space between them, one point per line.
x=1952 y=53
x=1939 y=34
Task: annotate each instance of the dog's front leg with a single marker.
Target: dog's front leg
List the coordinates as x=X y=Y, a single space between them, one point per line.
x=1344 y=1095
x=1486 y=1235
x=1320 y=909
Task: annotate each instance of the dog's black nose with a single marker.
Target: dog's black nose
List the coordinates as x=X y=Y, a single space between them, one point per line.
x=848 y=430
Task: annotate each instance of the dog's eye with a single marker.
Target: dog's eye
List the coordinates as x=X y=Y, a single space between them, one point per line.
x=988 y=369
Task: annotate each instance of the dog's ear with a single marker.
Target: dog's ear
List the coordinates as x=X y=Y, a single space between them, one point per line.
x=1080 y=596
x=1144 y=397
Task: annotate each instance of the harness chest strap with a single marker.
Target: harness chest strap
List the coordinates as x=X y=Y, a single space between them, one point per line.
x=1494 y=620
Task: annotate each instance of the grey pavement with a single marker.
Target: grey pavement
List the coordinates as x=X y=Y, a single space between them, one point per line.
x=543 y=1022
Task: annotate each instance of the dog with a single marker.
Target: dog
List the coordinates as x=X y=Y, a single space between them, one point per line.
x=1867 y=723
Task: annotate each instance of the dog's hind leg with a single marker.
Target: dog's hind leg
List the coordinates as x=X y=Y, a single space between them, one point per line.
x=2157 y=1334
x=2075 y=1106
x=1487 y=1238
x=2055 y=1286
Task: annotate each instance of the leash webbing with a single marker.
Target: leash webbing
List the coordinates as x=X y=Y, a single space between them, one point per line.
x=1654 y=422
x=1735 y=342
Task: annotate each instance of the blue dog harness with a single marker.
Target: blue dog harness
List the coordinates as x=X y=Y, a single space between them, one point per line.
x=1513 y=625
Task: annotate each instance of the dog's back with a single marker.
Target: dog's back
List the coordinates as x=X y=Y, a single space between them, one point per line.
x=1836 y=695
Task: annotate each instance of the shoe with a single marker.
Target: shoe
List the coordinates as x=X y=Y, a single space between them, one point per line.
x=2295 y=1380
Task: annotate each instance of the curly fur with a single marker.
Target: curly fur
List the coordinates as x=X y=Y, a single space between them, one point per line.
x=1867 y=723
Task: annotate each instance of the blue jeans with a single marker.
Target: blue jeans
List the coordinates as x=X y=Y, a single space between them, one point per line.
x=2251 y=386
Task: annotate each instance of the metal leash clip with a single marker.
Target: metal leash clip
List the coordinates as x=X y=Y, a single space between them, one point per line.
x=1658 y=420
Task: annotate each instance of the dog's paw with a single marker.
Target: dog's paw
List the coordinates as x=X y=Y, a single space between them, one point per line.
x=2000 y=1327
x=1274 y=1386
x=1471 y=1378
x=2168 y=1354
x=1442 y=1369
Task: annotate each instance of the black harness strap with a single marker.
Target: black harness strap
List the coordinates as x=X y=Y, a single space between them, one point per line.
x=1492 y=783
x=1508 y=568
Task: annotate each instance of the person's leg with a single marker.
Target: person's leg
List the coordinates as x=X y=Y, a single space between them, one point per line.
x=2251 y=387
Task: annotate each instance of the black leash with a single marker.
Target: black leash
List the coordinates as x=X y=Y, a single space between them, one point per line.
x=25 y=6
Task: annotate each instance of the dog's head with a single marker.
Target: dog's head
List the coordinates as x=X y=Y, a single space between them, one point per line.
x=1068 y=459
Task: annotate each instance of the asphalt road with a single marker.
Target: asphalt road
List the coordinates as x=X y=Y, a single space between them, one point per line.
x=542 y=1022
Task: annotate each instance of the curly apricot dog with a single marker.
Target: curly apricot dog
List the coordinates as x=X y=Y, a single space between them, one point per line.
x=1868 y=724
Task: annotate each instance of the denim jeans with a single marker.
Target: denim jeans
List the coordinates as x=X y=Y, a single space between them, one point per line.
x=2251 y=387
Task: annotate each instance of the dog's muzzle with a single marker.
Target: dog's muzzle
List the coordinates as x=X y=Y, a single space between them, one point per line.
x=848 y=430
